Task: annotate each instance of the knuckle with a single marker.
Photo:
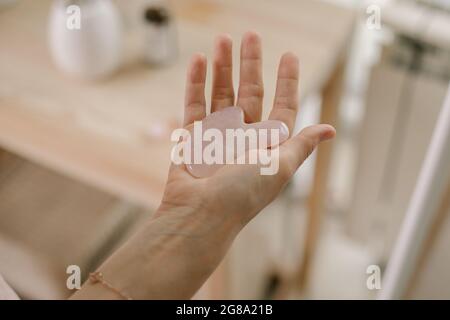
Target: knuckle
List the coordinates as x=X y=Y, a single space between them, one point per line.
x=251 y=90
x=222 y=93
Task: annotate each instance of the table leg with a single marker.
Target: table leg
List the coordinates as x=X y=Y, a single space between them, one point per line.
x=331 y=96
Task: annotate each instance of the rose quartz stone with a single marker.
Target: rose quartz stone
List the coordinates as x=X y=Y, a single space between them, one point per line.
x=231 y=118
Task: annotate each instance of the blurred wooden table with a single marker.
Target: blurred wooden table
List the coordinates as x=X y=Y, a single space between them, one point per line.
x=97 y=132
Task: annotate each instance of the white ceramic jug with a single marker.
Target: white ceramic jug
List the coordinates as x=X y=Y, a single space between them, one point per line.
x=85 y=37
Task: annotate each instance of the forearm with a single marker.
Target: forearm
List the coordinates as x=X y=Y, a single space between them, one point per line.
x=169 y=258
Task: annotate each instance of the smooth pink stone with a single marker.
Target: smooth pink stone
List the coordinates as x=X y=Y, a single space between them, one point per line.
x=231 y=118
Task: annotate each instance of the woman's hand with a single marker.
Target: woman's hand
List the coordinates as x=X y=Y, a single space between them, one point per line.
x=179 y=248
x=239 y=192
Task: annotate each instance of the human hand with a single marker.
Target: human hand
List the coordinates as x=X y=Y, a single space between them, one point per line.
x=236 y=193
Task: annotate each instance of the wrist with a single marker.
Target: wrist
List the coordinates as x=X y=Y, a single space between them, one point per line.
x=201 y=221
x=178 y=245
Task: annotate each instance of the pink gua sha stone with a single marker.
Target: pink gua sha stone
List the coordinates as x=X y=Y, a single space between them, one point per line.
x=231 y=118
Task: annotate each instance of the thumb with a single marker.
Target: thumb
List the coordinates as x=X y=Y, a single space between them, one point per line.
x=300 y=147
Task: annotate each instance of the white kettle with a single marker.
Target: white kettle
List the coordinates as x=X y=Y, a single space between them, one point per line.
x=85 y=37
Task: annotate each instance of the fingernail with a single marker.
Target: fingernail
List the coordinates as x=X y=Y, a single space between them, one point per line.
x=328 y=133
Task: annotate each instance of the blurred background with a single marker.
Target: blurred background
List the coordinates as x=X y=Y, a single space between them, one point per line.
x=91 y=90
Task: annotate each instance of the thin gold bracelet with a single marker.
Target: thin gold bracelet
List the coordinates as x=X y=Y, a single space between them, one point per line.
x=97 y=277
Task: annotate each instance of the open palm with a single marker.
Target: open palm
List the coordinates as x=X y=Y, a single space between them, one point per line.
x=240 y=191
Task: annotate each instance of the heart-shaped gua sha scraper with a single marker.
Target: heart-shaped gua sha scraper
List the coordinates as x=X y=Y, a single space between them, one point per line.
x=230 y=118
